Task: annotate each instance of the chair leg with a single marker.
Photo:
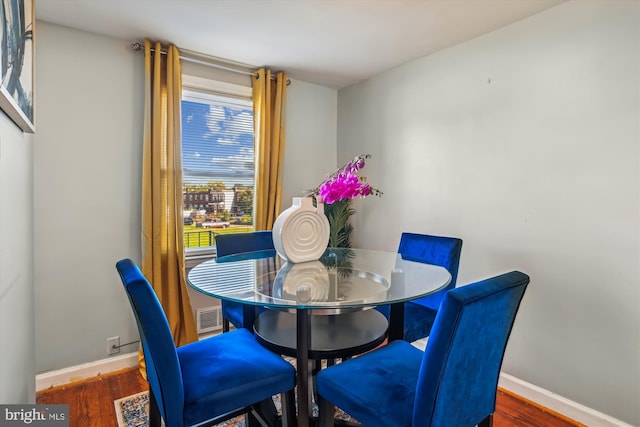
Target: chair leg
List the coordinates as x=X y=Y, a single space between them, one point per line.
x=225 y=325
x=265 y=412
x=487 y=422
x=155 y=419
x=250 y=419
x=326 y=412
x=288 y=401
x=317 y=366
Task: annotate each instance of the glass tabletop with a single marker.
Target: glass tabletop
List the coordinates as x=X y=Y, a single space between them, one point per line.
x=341 y=278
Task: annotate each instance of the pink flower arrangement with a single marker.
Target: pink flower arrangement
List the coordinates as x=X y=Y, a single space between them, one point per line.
x=345 y=183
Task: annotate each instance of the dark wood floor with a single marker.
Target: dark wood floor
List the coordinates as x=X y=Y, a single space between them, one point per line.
x=91 y=402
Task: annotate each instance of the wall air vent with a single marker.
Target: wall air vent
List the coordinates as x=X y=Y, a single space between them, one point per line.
x=209 y=319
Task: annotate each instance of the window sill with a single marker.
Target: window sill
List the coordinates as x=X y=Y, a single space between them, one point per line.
x=193 y=255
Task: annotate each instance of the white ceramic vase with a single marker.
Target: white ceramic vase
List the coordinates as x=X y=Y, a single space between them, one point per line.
x=301 y=232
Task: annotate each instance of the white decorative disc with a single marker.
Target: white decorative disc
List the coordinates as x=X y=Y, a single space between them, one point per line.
x=301 y=232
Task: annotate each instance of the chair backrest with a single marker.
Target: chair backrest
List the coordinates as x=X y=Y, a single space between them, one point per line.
x=234 y=243
x=160 y=356
x=436 y=250
x=459 y=374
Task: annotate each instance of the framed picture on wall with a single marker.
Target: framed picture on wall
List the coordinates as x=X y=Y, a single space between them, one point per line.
x=16 y=62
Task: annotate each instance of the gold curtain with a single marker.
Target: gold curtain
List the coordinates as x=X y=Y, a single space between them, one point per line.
x=162 y=226
x=269 y=107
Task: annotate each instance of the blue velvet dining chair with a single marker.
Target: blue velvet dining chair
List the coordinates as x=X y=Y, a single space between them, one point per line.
x=235 y=243
x=452 y=383
x=208 y=381
x=419 y=314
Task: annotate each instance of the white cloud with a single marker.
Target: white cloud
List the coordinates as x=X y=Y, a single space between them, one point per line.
x=240 y=162
x=225 y=141
x=241 y=123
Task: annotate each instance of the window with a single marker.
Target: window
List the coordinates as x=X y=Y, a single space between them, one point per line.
x=218 y=165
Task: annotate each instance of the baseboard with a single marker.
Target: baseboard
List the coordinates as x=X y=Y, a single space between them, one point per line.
x=86 y=370
x=543 y=397
x=71 y=374
x=559 y=404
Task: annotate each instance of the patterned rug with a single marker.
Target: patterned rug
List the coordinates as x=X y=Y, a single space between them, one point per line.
x=133 y=411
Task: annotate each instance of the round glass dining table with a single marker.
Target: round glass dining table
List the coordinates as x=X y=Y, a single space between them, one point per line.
x=341 y=281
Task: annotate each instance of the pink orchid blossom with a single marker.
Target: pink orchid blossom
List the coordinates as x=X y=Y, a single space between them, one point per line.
x=345 y=183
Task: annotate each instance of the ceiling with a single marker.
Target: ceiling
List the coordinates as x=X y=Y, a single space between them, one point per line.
x=333 y=43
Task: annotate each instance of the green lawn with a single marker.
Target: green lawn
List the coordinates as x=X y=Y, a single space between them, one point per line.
x=199 y=237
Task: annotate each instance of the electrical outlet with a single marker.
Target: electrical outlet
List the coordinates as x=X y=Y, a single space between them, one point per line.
x=113 y=345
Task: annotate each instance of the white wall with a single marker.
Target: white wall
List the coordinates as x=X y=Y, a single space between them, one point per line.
x=310 y=151
x=87 y=192
x=17 y=360
x=87 y=185
x=525 y=143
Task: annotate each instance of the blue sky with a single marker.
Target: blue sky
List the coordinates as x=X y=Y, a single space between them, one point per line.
x=217 y=140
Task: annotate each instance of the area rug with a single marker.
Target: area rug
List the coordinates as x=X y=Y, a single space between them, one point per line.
x=133 y=411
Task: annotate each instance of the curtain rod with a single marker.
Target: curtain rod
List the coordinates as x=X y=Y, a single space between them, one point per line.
x=140 y=47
